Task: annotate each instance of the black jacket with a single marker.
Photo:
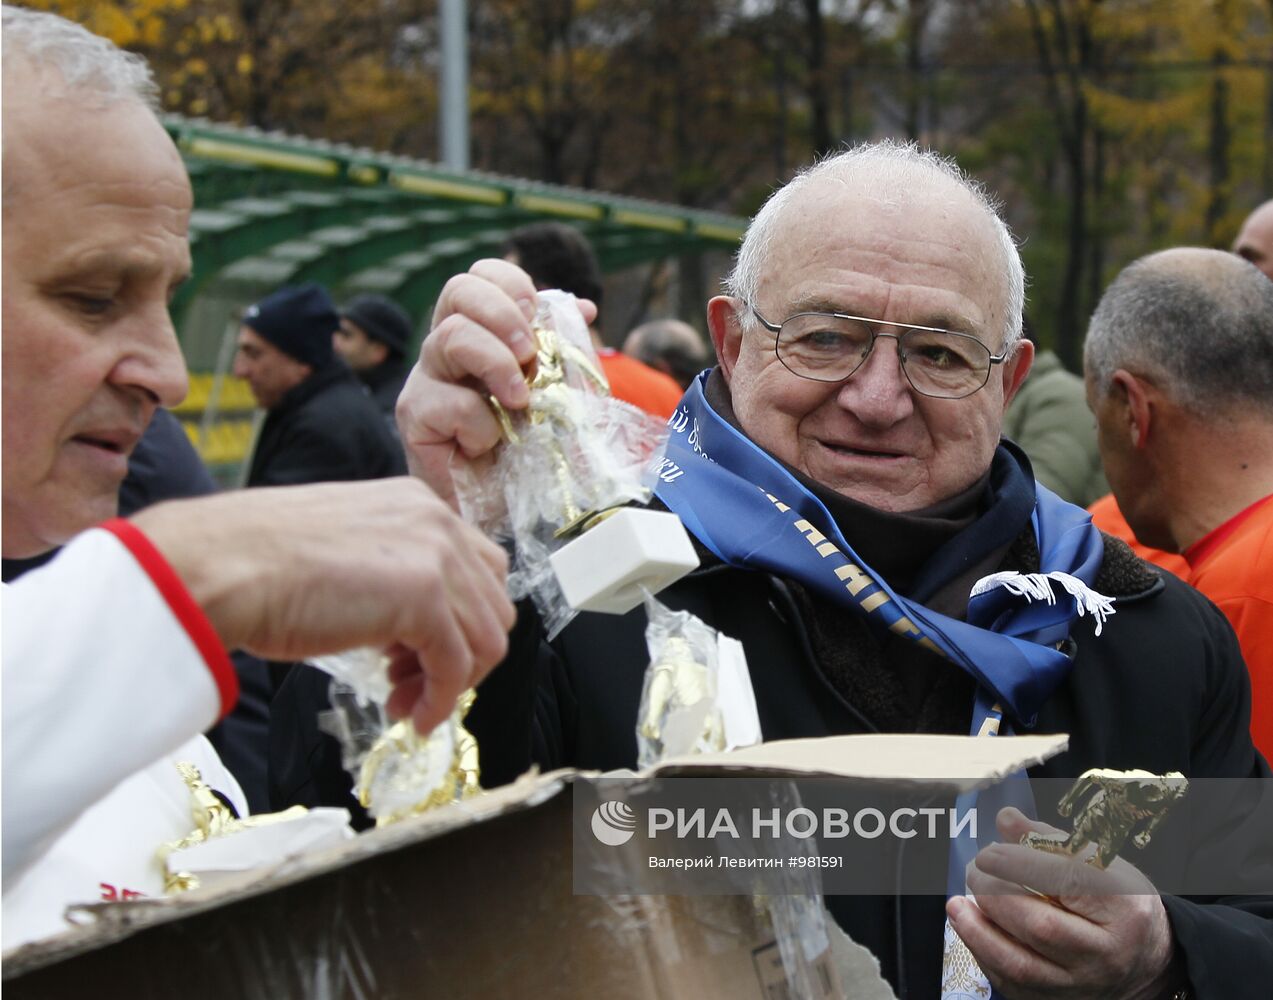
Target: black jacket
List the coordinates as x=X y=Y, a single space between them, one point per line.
x=163 y=466
x=385 y=382
x=1163 y=688
x=327 y=428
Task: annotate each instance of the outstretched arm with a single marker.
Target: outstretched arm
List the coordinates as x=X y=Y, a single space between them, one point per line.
x=285 y=573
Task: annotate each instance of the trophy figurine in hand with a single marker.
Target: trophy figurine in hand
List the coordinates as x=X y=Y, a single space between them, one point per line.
x=1108 y=807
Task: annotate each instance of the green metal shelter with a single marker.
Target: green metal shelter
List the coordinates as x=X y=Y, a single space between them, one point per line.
x=272 y=209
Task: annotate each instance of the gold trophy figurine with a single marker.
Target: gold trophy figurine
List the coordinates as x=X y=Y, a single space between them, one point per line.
x=553 y=402
x=569 y=484
x=212 y=818
x=1110 y=806
x=679 y=685
x=405 y=774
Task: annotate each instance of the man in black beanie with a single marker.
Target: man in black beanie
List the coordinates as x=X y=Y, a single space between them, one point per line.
x=373 y=337
x=321 y=424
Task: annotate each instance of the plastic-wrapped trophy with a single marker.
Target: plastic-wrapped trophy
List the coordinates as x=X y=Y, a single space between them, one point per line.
x=697 y=696
x=405 y=773
x=558 y=489
x=397 y=772
x=561 y=484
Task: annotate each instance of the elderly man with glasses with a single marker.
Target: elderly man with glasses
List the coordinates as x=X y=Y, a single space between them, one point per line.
x=856 y=493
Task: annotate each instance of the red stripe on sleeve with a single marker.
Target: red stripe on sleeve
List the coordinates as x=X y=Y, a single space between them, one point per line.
x=188 y=613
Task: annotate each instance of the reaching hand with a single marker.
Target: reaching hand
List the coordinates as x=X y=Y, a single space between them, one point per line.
x=297 y=571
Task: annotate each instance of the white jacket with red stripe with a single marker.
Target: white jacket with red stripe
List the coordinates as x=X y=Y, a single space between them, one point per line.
x=109 y=667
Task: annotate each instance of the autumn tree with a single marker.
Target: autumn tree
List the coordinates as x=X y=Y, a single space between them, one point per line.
x=1109 y=127
x=324 y=68
x=1129 y=125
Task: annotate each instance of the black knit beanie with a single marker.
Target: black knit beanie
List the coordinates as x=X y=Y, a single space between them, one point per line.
x=380 y=319
x=299 y=320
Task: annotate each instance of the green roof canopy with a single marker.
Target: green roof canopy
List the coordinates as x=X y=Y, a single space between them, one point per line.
x=273 y=209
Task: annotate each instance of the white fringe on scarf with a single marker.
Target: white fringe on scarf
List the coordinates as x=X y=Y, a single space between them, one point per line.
x=1036 y=587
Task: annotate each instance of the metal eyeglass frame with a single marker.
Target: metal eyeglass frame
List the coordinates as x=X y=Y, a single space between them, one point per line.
x=776 y=330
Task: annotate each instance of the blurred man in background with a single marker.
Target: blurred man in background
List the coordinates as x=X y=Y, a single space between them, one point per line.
x=671 y=346
x=373 y=338
x=1255 y=240
x=556 y=255
x=321 y=426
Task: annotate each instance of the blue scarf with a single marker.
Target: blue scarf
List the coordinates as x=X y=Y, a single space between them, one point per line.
x=753 y=513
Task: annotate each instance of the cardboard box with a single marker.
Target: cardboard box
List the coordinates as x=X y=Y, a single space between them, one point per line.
x=475 y=900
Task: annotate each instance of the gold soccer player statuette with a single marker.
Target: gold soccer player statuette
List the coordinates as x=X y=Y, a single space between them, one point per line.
x=212 y=818
x=1110 y=806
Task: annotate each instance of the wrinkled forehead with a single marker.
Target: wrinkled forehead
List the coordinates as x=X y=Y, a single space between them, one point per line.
x=857 y=248
x=64 y=137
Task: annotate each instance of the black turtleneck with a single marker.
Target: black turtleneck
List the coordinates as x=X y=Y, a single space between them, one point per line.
x=14 y=568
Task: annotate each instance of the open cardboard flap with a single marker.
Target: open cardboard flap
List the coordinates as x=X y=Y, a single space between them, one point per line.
x=475 y=900
x=951 y=763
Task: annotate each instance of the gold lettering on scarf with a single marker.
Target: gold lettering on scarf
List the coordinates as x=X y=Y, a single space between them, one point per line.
x=812 y=534
x=856 y=579
x=904 y=626
x=990 y=724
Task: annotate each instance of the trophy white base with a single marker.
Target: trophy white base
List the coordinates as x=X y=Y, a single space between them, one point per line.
x=606 y=568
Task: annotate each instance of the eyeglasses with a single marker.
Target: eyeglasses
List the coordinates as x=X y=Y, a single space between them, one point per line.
x=830 y=347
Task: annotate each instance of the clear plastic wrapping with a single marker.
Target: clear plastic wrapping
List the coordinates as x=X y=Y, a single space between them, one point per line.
x=397 y=772
x=361 y=672
x=404 y=773
x=574 y=452
x=679 y=711
x=697 y=696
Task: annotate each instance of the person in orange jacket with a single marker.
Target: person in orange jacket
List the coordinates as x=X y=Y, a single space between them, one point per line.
x=1179 y=360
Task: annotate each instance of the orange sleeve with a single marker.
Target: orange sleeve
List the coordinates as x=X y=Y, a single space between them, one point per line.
x=1252 y=621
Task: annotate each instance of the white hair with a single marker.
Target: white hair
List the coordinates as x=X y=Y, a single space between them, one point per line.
x=87 y=63
x=887 y=172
